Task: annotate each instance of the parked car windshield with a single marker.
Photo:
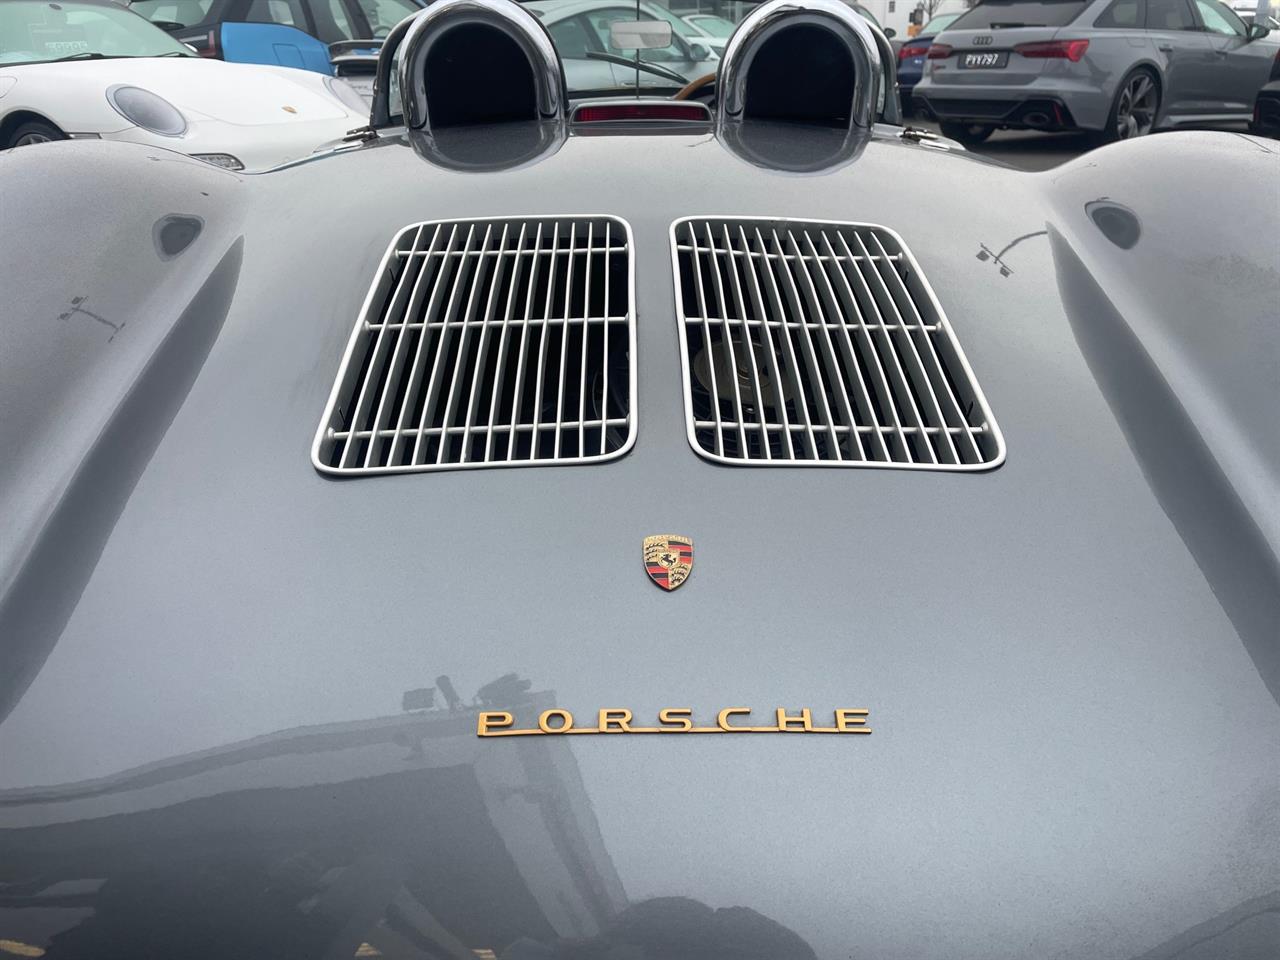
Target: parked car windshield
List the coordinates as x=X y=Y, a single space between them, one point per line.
x=581 y=31
x=385 y=14
x=714 y=25
x=177 y=13
x=998 y=14
x=40 y=32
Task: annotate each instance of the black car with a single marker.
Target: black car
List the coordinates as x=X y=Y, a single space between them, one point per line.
x=331 y=21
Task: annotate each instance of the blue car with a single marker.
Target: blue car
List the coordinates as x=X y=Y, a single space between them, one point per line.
x=234 y=29
x=912 y=54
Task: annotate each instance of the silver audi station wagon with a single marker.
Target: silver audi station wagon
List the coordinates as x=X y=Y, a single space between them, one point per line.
x=1121 y=68
x=564 y=526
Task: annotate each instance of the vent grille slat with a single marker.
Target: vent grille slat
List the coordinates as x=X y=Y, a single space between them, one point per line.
x=820 y=343
x=486 y=343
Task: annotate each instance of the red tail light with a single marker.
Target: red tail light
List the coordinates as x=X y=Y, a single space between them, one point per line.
x=939 y=51
x=909 y=51
x=598 y=112
x=204 y=44
x=1072 y=50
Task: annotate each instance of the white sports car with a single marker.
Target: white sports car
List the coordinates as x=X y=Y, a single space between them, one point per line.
x=92 y=68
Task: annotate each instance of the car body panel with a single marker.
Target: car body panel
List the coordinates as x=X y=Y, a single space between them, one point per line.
x=261 y=114
x=1242 y=64
x=207 y=741
x=271 y=43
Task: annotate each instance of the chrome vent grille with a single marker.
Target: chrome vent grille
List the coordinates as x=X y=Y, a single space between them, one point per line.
x=821 y=344
x=484 y=343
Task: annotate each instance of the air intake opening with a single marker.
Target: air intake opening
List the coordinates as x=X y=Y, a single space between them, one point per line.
x=483 y=343
x=802 y=73
x=821 y=344
x=476 y=73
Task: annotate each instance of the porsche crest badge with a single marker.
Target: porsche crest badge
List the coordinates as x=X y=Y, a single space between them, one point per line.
x=668 y=559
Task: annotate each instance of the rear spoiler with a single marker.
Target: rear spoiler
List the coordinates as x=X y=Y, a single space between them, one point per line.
x=360 y=54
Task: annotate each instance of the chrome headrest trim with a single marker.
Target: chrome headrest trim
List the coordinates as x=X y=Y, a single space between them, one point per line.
x=768 y=18
x=434 y=23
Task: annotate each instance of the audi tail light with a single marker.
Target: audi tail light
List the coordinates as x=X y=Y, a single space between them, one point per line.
x=1072 y=50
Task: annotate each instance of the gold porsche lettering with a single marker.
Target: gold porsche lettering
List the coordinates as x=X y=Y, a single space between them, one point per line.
x=563 y=718
x=618 y=720
x=722 y=718
x=789 y=723
x=615 y=721
x=676 y=718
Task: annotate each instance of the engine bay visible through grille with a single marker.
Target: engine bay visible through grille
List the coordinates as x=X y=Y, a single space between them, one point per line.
x=484 y=343
x=809 y=343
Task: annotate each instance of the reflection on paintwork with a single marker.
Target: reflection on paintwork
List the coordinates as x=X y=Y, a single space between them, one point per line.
x=391 y=836
x=489 y=149
x=791 y=149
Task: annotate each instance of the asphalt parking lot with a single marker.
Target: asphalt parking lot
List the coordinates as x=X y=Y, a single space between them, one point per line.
x=1031 y=150
x=1026 y=149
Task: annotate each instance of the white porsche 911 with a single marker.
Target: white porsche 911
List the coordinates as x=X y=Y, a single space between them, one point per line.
x=92 y=68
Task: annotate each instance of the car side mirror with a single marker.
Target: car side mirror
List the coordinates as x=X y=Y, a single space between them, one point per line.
x=1256 y=31
x=700 y=51
x=890 y=32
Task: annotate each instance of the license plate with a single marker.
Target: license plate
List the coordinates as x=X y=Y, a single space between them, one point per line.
x=979 y=61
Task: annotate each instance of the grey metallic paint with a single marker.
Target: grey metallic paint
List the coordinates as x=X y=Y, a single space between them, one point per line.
x=1072 y=662
x=1204 y=77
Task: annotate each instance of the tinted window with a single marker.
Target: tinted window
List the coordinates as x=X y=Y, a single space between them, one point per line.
x=185 y=13
x=1218 y=19
x=385 y=14
x=1124 y=14
x=338 y=17
x=288 y=12
x=570 y=38
x=1169 y=15
x=995 y=14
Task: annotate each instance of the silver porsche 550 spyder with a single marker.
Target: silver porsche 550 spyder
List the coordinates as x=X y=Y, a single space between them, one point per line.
x=900 y=577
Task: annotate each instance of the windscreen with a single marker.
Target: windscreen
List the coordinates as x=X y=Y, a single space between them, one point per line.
x=593 y=63
x=40 y=32
x=174 y=14
x=1006 y=14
